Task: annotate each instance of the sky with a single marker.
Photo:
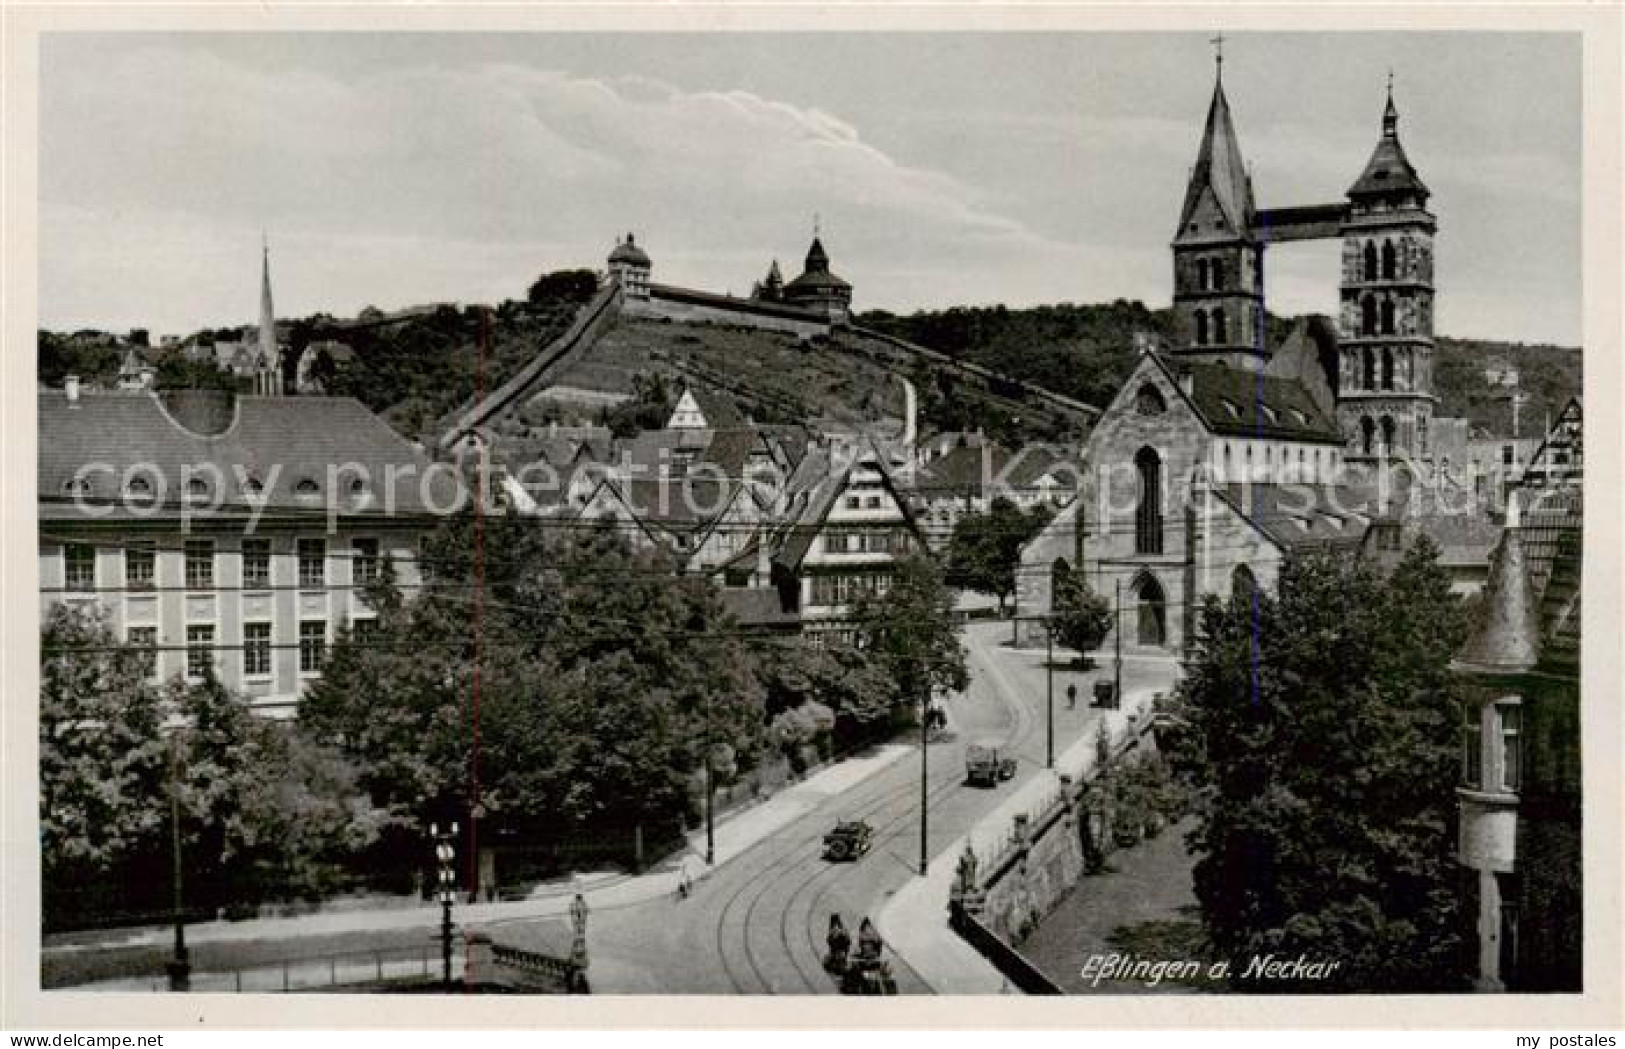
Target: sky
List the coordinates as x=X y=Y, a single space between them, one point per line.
x=941 y=168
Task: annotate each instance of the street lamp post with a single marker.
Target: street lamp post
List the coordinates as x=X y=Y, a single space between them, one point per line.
x=1049 y=695
x=180 y=966
x=445 y=851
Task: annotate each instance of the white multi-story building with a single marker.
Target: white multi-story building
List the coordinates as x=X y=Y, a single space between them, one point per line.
x=232 y=532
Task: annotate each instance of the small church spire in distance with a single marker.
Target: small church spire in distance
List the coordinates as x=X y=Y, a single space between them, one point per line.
x=1390 y=115
x=1218 y=54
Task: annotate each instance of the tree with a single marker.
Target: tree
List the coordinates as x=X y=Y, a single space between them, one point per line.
x=1327 y=722
x=605 y=678
x=912 y=633
x=649 y=408
x=568 y=286
x=985 y=549
x=1080 y=618
x=102 y=761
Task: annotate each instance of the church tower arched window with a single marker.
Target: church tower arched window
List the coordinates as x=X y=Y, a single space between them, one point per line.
x=1388 y=433
x=1387 y=316
x=1368 y=316
x=1387 y=368
x=1220 y=336
x=1368 y=434
x=1369 y=375
x=1389 y=260
x=1370 y=261
x=1216 y=274
x=1201 y=274
x=1201 y=327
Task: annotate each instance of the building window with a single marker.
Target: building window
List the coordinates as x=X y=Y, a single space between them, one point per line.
x=1370 y=261
x=1148 y=515
x=1387 y=316
x=144 y=639
x=199 y=563
x=1149 y=401
x=79 y=566
x=1368 y=316
x=1243 y=584
x=312 y=562
x=1201 y=274
x=199 y=650
x=140 y=564
x=1510 y=719
x=1216 y=272
x=257 y=648
x=1389 y=260
x=1472 y=749
x=256 y=562
x=312 y=645
x=1387 y=365
x=364 y=562
x=1220 y=336
x=1389 y=432
x=1368 y=434
x=1201 y=327
x=364 y=631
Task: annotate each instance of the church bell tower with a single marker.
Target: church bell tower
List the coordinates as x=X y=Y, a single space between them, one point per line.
x=1385 y=324
x=1218 y=259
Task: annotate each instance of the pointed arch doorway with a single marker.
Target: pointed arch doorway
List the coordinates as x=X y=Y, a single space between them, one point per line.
x=1151 y=611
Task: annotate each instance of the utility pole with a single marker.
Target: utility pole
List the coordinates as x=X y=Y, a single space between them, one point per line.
x=1049 y=695
x=710 y=790
x=1117 y=688
x=179 y=967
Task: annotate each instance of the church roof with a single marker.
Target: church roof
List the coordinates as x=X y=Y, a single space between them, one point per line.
x=1219 y=166
x=1388 y=170
x=1241 y=403
x=1298 y=517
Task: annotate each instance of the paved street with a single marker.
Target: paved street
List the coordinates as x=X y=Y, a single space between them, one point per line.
x=756 y=922
x=756 y=925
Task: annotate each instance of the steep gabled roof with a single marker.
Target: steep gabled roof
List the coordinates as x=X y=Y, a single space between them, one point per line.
x=1241 y=403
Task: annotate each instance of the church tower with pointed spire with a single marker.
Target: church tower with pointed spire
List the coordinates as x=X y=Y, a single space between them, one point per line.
x=267 y=357
x=1218 y=259
x=1385 y=324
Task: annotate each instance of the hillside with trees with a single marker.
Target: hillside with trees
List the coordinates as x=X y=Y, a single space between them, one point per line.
x=418 y=368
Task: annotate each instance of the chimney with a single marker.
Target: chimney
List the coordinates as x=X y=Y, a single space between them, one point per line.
x=70 y=386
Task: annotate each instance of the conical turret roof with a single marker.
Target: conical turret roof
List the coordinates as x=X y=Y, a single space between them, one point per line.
x=1506 y=638
x=1219 y=167
x=1389 y=170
